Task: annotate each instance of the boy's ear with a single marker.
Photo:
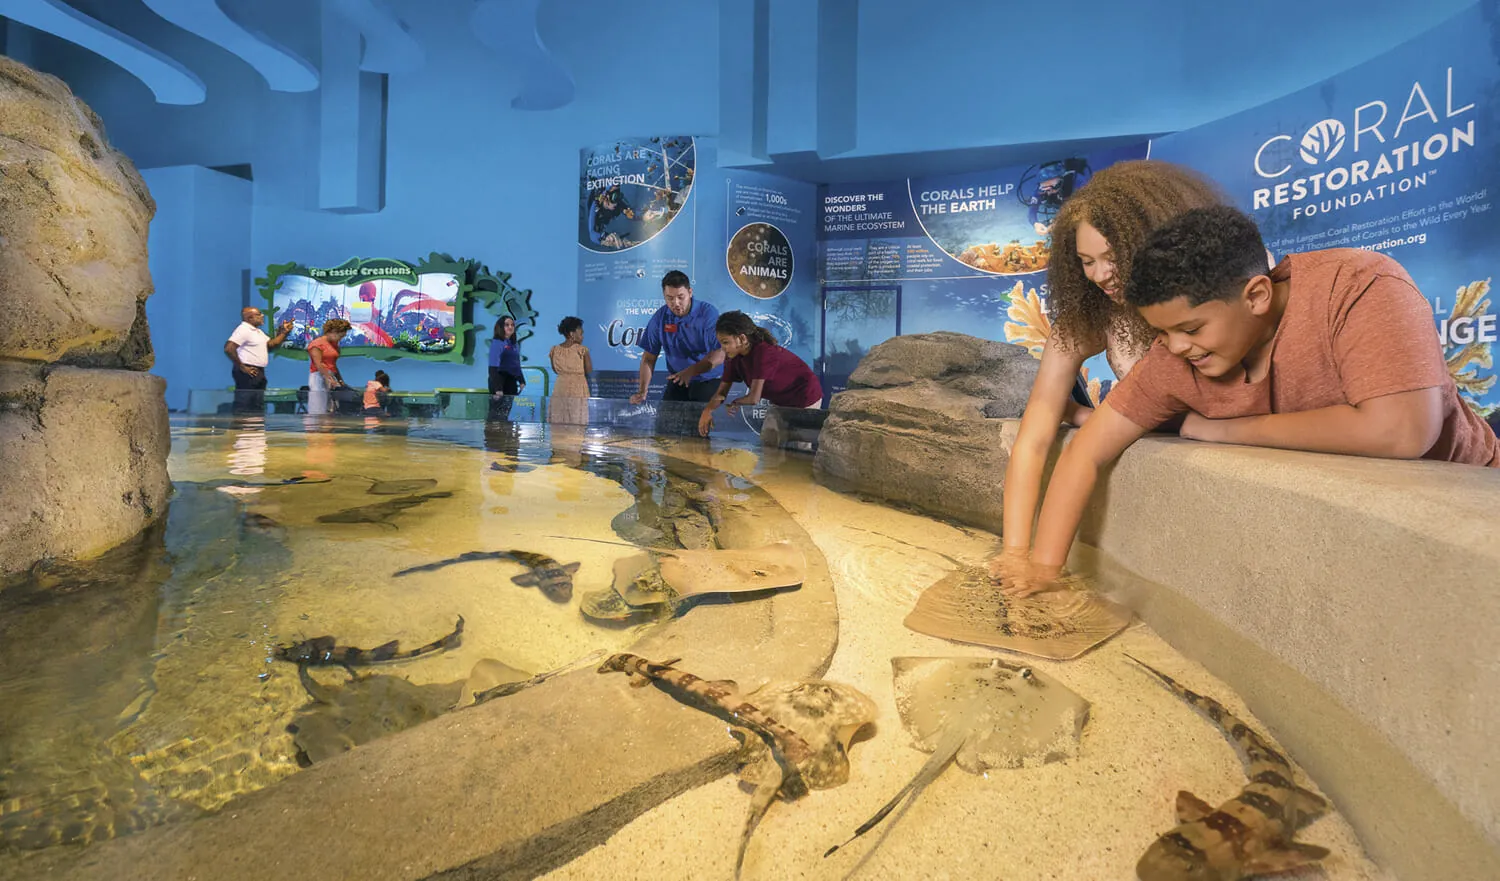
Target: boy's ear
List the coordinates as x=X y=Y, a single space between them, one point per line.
x=1257 y=295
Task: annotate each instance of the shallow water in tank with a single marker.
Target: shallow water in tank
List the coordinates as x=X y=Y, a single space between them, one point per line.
x=143 y=687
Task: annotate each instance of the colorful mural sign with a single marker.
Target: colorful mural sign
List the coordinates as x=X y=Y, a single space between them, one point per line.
x=395 y=309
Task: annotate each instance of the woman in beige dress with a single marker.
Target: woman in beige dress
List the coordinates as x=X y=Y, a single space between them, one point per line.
x=573 y=367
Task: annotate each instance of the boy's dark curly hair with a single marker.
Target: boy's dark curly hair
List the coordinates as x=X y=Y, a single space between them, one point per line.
x=1206 y=254
x=1124 y=202
x=569 y=324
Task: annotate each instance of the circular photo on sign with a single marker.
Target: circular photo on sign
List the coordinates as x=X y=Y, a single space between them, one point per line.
x=760 y=260
x=631 y=190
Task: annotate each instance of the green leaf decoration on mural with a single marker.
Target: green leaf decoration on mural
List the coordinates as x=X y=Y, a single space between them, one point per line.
x=493 y=291
x=477 y=284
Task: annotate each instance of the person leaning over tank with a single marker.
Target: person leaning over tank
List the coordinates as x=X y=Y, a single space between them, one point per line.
x=249 y=350
x=684 y=329
x=1095 y=237
x=323 y=366
x=1330 y=352
x=767 y=370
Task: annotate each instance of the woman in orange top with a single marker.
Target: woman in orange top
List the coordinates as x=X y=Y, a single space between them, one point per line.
x=323 y=361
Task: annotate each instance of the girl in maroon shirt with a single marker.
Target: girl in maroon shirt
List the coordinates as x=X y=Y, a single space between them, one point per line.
x=768 y=370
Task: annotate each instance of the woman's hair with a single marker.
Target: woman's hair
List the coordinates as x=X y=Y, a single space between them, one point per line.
x=1124 y=202
x=737 y=323
x=569 y=324
x=500 y=327
x=383 y=378
x=336 y=325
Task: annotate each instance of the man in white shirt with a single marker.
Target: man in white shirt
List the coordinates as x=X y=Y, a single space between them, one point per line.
x=249 y=350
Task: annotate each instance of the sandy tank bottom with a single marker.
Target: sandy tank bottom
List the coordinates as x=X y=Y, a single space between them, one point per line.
x=1086 y=819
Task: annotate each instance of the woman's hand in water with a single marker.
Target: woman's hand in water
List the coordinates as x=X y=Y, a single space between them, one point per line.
x=706 y=421
x=1016 y=574
x=1010 y=561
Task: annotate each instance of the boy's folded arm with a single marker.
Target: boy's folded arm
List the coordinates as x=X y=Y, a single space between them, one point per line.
x=1099 y=442
x=1401 y=425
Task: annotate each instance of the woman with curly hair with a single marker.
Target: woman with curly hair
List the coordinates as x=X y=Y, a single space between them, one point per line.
x=573 y=366
x=323 y=365
x=1094 y=239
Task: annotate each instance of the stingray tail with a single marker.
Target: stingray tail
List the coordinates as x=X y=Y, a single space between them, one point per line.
x=759 y=804
x=947 y=748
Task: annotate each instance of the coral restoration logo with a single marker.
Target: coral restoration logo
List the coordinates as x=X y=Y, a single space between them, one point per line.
x=1323 y=142
x=1407 y=152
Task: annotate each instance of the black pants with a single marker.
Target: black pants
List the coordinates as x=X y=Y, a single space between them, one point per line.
x=506 y=384
x=676 y=416
x=249 y=391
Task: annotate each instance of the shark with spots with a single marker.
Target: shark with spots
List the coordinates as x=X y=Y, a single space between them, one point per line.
x=325 y=651
x=552 y=578
x=1250 y=834
x=795 y=735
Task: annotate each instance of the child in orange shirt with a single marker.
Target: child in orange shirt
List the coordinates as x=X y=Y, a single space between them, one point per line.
x=376 y=391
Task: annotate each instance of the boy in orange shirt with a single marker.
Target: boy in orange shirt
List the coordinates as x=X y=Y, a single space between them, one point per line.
x=1332 y=351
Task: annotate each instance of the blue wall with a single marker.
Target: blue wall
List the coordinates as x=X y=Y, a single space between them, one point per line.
x=200 y=248
x=467 y=174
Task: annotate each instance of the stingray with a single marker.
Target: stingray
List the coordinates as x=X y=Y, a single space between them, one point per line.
x=665 y=583
x=502 y=680
x=548 y=575
x=235 y=486
x=512 y=467
x=341 y=717
x=981 y=713
x=967 y=606
x=381 y=512
x=794 y=735
x=399 y=487
x=488 y=674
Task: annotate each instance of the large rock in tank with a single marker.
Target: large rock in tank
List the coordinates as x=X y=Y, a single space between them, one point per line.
x=925 y=422
x=83 y=428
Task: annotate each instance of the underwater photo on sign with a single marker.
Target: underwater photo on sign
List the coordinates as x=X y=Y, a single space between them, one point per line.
x=632 y=189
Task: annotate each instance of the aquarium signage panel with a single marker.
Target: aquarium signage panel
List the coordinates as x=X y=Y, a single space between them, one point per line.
x=1399 y=155
x=635 y=224
x=768 y=268
x=964 y=252
x=394 y=308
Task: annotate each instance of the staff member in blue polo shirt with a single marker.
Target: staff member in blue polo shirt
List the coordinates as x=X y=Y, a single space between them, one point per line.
x=685 y=329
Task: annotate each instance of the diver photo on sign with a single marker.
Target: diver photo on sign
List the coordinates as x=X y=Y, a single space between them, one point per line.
x=632 y=189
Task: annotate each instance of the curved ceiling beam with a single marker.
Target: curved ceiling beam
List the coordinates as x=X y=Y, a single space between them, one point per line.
x=389 y=47
x=169 y=81
x=283 y=69
x=510 y=27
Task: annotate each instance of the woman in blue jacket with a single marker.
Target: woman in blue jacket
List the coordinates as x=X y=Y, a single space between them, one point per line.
x=506 y=378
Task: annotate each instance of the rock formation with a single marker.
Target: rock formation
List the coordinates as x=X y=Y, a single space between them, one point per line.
x=922 y=424
x=83 y=426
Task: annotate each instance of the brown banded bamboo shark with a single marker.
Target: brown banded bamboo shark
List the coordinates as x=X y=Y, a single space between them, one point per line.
x=795 y=735
x=324 y=651
x=552 y=578
x=1250 y=834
